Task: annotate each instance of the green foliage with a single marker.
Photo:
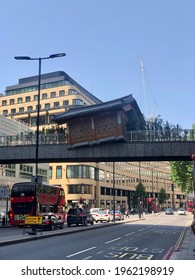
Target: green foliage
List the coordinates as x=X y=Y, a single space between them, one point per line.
x=182 y=174
x=162 y=196
x=139 y=192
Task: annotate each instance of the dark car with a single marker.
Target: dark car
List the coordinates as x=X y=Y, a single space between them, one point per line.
x=50 y=222
x=79 y=216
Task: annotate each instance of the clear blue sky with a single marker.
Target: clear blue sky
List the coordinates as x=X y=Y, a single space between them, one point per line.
x=103 y=41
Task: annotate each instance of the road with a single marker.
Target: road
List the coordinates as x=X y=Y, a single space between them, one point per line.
x=154 y=238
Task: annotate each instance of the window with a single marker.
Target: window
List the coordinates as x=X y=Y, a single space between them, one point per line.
x=77 y=102
x=52 y=94
x=58 y=172
x=5 y=112
x=13 y=111
x=72 y=91
x=80 y=171
x=4 y=102
x=44 y=96
x=27 y=98
x=47 y=106
x=56 y=104
x=61 y=93
x=20 y=100
x=35 y=97
x=80 y=189
x=65 y=103
x=21 y=110
x=50 y=172
x=12 y=101
x=29 y=109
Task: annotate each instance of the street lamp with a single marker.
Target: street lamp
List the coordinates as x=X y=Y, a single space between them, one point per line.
x=38 y=112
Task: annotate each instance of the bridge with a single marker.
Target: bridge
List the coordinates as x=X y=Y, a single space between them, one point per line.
x=154 y=145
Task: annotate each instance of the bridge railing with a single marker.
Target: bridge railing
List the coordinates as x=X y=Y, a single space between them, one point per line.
x=131 y=136
x=174 y=135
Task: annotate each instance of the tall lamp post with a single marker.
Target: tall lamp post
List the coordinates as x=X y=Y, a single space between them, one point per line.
x=38 y=113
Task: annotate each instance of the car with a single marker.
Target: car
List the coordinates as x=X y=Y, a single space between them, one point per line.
x=118 y=215
x=102 y=216
x=169 y=211
x=94 y=211
x=50 y=222
x=78 y=216
x=181 y=211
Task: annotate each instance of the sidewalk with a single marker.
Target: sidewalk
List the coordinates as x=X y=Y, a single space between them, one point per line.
x=186 y=250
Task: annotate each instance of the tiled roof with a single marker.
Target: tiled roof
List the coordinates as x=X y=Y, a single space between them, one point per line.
x=91 y=109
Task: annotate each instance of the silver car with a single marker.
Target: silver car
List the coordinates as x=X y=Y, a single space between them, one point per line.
x=118 y=215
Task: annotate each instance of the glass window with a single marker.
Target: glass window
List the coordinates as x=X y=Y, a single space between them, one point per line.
x=20 y=100
x=44 y=96
x=77 y=102
x=29 y=109
x=50 y=172
x=13 y=111
x=72 y=91
x=65 y=102
x=58 y=172
x=56 y=104
x=53 y=94
x=47 y=106
x=4 y=102
x=61 y=93
x=5 y=112
x=12 y=101
x=21 y=110
x=27 y=98
x=35 y=97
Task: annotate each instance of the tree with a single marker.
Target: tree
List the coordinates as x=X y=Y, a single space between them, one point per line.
x=182 y=175
x=162 y=196
x=139 y=193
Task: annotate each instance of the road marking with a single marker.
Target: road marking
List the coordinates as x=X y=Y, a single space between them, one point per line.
x=80 y=252
x=112 y=240
x=130 y=233
x=87 y=258
x=141 y=229
x=100 y=252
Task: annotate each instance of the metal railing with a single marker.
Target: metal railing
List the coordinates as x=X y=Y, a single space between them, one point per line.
x=131 y=136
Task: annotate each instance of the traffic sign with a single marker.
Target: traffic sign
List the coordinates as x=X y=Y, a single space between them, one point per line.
x=193 y=156
x=32 y=220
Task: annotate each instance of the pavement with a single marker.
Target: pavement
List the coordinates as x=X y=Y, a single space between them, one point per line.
x=184 y=249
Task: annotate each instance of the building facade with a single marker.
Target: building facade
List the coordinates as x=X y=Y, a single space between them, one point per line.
x=94 y=183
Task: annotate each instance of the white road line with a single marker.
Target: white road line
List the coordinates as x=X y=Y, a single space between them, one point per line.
x=141 y=229
x=100 y=252
x=87 y=258
x=130 y=233
x=80 y=252
x=112 y=240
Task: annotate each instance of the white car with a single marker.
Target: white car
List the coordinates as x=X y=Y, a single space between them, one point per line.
x=181 y=211
x=102 y=216
x=94 y=211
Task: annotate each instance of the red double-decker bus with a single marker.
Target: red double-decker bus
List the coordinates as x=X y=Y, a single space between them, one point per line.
x=190 y=205
x=50 y=199
x=152 y=205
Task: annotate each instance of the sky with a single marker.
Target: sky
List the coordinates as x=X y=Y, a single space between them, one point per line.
x=106 y=42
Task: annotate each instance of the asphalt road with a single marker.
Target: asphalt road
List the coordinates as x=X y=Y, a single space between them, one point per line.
x=152 y=239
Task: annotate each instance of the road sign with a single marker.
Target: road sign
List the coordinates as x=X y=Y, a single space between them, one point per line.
x=193 y=156
x=32 y=220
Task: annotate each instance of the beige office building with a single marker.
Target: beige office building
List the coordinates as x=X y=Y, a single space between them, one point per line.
x=94 y=183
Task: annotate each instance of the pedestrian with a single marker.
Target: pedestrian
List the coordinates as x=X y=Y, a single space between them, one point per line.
x=127 y=213
x=132 y=211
